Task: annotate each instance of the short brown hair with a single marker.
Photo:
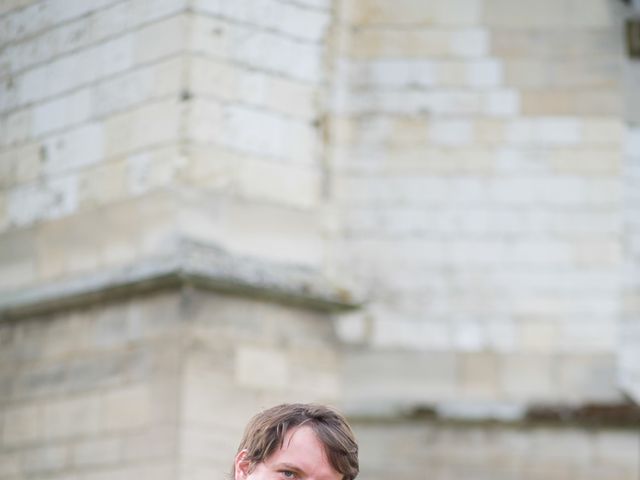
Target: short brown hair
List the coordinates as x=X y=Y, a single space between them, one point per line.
x=265 y=434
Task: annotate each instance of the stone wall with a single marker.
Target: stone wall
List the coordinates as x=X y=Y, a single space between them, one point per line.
x=128 y=126
x=154 y=154
x=421 y=211
x=630 y=333
x=92 y=392
x=90 y=100
x=424 y=449
x=157 y=385
x=477 y=152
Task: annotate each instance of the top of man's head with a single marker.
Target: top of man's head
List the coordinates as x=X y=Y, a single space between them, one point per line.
x=265 y=434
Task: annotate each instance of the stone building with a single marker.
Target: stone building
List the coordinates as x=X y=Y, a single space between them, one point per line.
x=425 y=212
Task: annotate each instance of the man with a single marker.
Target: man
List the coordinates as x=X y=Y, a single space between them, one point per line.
x=299 y=442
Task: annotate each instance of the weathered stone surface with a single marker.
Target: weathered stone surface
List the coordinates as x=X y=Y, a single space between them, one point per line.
x=189 y=189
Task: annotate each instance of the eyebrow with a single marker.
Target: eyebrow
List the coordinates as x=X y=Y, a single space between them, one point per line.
x=288 y=466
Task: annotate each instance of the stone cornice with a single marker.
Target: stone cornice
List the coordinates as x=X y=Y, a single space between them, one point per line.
x=188 y=265
x=614 y=415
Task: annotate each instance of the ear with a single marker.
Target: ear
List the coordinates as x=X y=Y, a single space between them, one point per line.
x=241 y=466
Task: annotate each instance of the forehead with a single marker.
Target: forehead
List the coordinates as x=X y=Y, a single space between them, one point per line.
x=303 y=450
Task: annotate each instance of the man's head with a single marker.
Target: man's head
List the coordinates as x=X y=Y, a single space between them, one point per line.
x=297 y=441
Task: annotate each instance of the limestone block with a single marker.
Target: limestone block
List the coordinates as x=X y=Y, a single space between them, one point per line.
x=60 y=12
x=591 y=14
x=102 y=184
x=68 y=111
x=160 y=40
x=10 y=465
x=24 y=22
x=18 y=127
x=236 y=83
x=596 y=73
x=502 y=103
x=502 y=335
x=600 y=254
x=545 y=14
x=131 y=89
x=70 y=244
x=14 y=5
x=54 y=198
x=479 y=377
x=470 y=43
x=145 y=126
x=150 y=220
x=73 y=149
x=412 y=12
x=76 y=69
x=93 y=453
x=128 y=408
x=589 y=102
x=245 y=45
x=115 y=56
x=352 y=328
x=604 y=131
x=491 y=132
x=632 y=142
x=617 y=448
x=67 y=336
x=153 y=443
x=160 y=470
x=529 y=73
x=291 y=98
x=20 y=165
x=545 y=131
x=320 y=4
x=143 y=12
x=10 y=93
x=415 y=334
x=588 y=376
x=388 y=380
x=527 y=376
x=314 y=373
x=261 y=133
x=597 y=335
x=604 y=192
x=538 y=335
x=153 y=169
x=484 y=73
x=402 y=73
x=17 y=262
x=593 y=161
x=451 y=101
x=290 y=19
x=113 y=20
x=253 y=131
x=113 y=328
x=451 y=132
x=468 y=335
x=279 y=183
x=371 y=43
x=207 y=447
x=4 y=218
x=560 y=452
x=210 y=399
x=259 y=367
x=50 y=458
x=22 y=425
x=55 y=42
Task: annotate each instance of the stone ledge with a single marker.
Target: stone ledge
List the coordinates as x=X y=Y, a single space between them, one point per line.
x=618 y=415
x=190 y=264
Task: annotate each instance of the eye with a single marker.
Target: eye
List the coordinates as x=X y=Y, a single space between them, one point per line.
x=288 y=474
